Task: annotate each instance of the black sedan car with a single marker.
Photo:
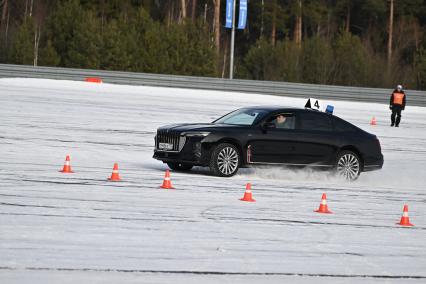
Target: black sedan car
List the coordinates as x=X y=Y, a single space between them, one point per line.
x=270 y=136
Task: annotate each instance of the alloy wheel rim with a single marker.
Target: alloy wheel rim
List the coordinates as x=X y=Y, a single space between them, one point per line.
x=227 y=160
x=348 y=167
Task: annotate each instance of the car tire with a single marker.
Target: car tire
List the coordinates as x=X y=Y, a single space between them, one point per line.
x=348 y=165
x=225 y=160
x=179 y=166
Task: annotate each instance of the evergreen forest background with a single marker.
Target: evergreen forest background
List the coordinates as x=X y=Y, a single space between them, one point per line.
x=368 y=43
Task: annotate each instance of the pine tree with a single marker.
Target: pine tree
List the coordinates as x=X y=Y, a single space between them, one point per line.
x=84 y=47
x=114 y=52
x=350 y=61
x=22 y=51
x=49 y=56
x=217 y=26
x=316 y=13
x=197 y=52
x=259 y=63
x=317 y=61
x=279 y=63
x=146 y=42
x=61 y=25
x=420 y=66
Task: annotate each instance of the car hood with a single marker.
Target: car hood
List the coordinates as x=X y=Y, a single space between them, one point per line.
x=193 y=126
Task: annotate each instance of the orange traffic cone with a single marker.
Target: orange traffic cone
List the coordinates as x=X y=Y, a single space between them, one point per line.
x=373 y=121
x=405 y=220
x=167 y=184
x=93 y=80
x=323 y=208
x=67 y=166
x=247 y=194
x=115 y=176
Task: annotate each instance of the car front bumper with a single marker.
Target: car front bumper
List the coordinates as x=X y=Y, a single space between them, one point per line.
x=193 y=152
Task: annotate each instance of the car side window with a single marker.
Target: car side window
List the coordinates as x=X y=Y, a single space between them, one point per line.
x=283 y=120
x=342 y=126
x=315 y=121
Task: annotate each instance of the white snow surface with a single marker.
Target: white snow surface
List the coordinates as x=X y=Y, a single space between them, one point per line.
x=81 y=228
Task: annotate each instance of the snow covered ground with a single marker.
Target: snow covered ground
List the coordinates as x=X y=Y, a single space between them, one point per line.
x=80 y=228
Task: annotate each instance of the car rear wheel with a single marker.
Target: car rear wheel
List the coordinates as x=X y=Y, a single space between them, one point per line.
x=179 y=166
x=348 y=165
x=225 y=160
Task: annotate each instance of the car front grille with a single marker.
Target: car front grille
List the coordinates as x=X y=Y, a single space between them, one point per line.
x=170 y=137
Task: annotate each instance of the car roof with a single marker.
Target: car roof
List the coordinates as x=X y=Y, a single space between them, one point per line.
x=271 y=108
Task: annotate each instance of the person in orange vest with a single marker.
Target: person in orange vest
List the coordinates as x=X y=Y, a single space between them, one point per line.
x=396 y=105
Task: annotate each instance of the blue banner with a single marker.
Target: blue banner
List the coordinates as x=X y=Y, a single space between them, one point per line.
x=229 y=12
x=242 y=19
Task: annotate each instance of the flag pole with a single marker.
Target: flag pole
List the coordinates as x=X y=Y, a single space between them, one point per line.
x=231 y=64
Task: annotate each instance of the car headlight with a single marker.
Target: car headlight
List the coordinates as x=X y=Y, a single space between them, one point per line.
x=195 y=134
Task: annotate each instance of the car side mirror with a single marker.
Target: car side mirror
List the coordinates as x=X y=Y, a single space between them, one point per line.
x=268 y=125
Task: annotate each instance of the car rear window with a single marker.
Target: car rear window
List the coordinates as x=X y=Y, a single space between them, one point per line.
x=315 y=121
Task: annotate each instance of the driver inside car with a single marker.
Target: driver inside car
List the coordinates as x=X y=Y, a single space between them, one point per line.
x=282 y=121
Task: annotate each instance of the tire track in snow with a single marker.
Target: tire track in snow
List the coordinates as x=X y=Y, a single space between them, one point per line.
x=59 y=198
x=198 y=272
x=121 y=144
x=212 y=216
x=102 y=217
x=108 y=210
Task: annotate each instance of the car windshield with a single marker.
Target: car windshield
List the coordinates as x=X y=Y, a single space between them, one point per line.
x=242 y=117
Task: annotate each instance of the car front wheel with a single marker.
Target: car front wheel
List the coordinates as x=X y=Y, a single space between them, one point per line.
x=348 y=165
x=225 y=160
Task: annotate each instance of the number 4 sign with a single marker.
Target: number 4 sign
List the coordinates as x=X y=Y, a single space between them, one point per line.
x=314 y=104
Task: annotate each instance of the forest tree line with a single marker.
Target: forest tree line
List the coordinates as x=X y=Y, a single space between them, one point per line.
x=371 y=43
